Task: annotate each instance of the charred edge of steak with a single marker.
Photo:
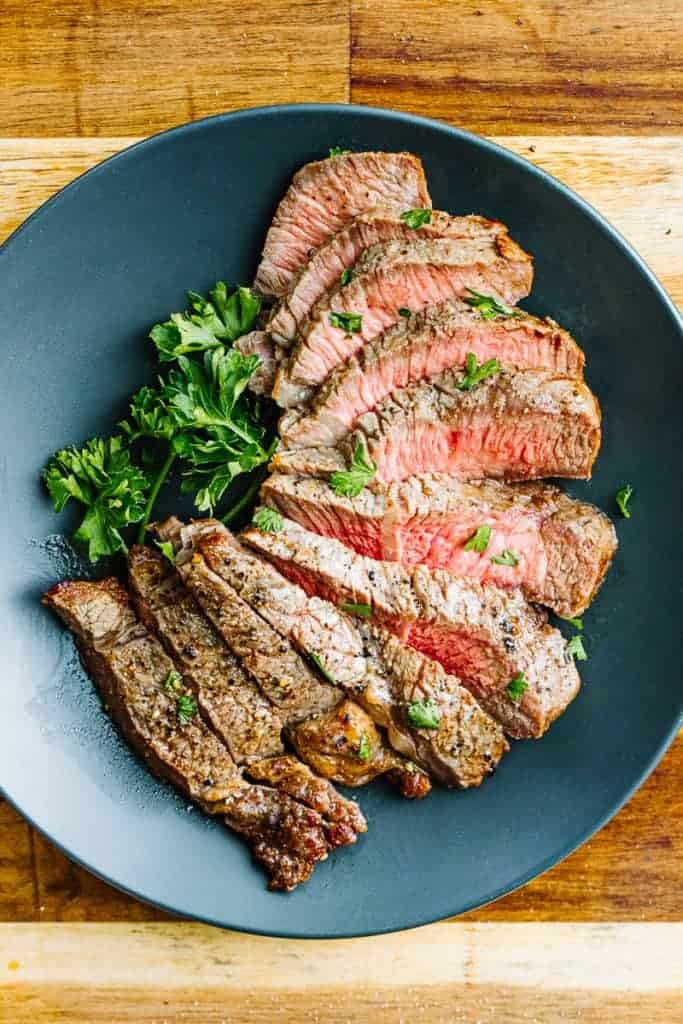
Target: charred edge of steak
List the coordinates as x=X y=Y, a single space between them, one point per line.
x=131 y=671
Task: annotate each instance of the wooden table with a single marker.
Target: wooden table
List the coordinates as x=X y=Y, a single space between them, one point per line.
x=591 y=90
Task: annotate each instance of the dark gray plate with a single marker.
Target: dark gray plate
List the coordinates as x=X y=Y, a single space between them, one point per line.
x=81 y=282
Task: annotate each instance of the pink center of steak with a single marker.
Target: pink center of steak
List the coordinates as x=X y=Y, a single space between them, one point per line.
x=404 y=356
x=530 y=448
x=341 y=252
x=323 y=196
x=377 y=298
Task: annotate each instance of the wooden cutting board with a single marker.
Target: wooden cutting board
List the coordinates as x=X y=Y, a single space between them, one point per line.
x=591 y=90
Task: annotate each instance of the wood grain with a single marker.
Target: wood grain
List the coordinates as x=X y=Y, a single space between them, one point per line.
x=84 y=67
x=524 y=66
x=635 y=183
x=165 y=974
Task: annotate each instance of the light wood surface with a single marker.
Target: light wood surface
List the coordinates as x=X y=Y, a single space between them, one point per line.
x=591 y=90
x=469 y=973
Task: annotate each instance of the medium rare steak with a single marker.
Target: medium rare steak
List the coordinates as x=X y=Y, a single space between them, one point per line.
x=419 y=347
x=326 y=265
x=227 y=697
x=229 y=700
x=465 y=745
x=562 y=547
x=492 y=640
x=515 y=425
x=388 y=278
x=461 y=752
x=323 y=196
x=142 y=691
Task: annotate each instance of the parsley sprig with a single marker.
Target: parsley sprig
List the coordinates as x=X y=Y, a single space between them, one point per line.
x=199 y=414
x=102 y=478
x=489 y=307
x=475 y=374
x=267 y=519
x=350 y=482
x=415 y=219
x=424 y=714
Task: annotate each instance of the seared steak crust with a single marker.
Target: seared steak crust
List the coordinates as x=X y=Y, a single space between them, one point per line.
x=391 y=277
x=131 y=670
x=563 y=547
x=323 y=196
x=373 y=227
x=478 y=632
x=468 y=743
x=416 y=349
x=227 y=697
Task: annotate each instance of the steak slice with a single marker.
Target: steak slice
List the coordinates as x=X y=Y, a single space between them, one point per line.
x=228 y=699
x=437 y=339
x=390 y=277
x=326 y=265
x=461 y=753
x=132 y=672
x=326 y=194
x=467 y=743
x=485 y=636
x=563 y=547
x=515 y=425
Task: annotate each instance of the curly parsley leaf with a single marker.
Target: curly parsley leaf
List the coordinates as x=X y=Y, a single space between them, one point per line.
x=479 y=541
x=576 y=649
x=576 y=623
x=100 y=476
x=167 y=550
x=320 y=665
x=186 y=708
x=337 y=151
x=424 y=714
x=207 y=323
x=267 y=519
x=363 y=611
x=517 y=687
x=364 y=750
x=506 y=558
x=488 y=307
x=148 y=417
x=352 y=323
x=476 y=374
x=350 y=482
x=622 y=498
x=173 y=684
x=218 y=436
x=416 y=218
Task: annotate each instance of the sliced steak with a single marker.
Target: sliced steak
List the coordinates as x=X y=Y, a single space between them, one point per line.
x=228 y=698
x=463 y=744
x=419 y=347
x=563 y=547
x=283 y=675
x=323 y=196
x=343 y=250
x=388 y=278
x=485 y=636
x=515 y=425
x=261 y=344
x=231 y=702
x=132 y=672
x=340 y=643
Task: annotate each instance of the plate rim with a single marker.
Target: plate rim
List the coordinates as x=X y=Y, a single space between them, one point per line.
x=186 y=129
